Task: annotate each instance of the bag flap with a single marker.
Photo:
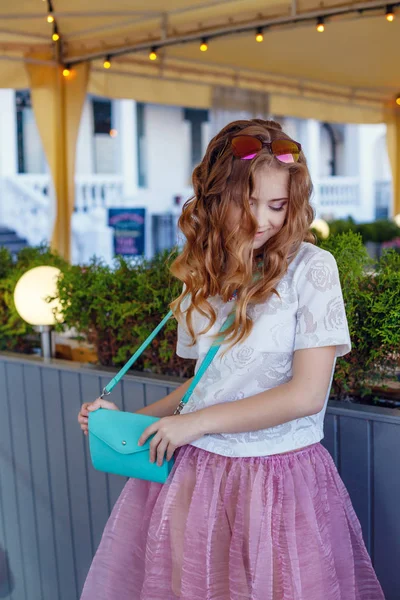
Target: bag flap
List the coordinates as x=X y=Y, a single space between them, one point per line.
x=120 y=430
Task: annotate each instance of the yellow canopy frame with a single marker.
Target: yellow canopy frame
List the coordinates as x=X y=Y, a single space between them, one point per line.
x=345 y=74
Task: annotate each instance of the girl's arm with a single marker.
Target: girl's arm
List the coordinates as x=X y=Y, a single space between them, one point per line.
x=302 y=396
x=166 y=406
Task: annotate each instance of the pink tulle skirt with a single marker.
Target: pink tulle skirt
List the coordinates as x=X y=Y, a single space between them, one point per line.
x=278 y=527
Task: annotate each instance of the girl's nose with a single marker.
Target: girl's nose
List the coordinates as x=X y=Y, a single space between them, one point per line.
x=261 y=215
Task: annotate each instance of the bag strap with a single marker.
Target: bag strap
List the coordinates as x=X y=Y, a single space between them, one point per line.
x=205 y=363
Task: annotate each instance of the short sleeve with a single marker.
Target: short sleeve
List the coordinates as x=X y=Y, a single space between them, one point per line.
x=184 y=338
x=321 y=315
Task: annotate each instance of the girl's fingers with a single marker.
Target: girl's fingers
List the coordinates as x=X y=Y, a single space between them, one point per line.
x=170 y=452
x=84 y=409
x=153 y=446
x=101 y=403
x=162 y=446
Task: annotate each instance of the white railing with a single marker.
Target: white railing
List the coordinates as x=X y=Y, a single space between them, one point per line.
x=91 y=191
x=25 y=208
x=337 y=191
x=40 y=184
x=98 y=191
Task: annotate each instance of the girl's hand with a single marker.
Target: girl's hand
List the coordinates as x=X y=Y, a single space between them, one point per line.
x=87 y=407
x=170 y=434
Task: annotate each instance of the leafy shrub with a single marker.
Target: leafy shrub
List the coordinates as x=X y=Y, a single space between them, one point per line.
x=116 y=308
x=379 y=231
x=372 y=300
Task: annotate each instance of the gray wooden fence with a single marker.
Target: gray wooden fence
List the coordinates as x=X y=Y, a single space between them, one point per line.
x=54 y=505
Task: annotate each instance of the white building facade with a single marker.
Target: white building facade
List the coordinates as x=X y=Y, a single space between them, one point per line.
x=138 y=155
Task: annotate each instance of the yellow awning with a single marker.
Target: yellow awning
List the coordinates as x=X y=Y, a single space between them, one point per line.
x=349 y=73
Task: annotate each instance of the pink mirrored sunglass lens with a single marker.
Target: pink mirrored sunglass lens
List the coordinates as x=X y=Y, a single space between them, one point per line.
x=249 y=156
x=287 y=158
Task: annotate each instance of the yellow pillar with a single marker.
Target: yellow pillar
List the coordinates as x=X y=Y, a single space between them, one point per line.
x=393 y=143
x=57 y=103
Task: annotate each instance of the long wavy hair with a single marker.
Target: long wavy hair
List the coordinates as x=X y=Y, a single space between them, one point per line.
x=219 y=181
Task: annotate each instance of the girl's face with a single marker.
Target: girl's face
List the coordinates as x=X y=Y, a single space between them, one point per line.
x=268 y=203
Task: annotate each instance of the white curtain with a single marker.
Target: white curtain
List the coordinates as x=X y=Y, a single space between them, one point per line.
x=230 y=104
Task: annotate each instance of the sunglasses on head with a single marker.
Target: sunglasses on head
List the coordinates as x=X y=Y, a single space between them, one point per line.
x=247 y=147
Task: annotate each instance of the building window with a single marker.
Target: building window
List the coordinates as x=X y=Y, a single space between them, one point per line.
x=105 y=137
x=332 y=150
x=102 y=116
x=196 y=117
x=31 y=158
x=141 y=144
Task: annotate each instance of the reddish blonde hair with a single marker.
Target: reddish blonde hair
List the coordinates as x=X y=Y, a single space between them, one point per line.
x=219 y=180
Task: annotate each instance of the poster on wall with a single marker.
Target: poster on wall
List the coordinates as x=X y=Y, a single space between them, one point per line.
x=129 y=230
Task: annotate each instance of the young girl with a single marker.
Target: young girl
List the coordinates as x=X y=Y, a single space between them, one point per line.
x=254 y=508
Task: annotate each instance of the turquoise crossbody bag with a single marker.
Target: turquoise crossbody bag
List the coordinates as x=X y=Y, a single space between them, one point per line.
x=113 y=435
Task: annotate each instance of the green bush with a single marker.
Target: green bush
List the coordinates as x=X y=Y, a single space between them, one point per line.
x=342 y=226
x=382 y=230
x=116 y=308
x=379 y=231
x=15 y=334
x=372 y=300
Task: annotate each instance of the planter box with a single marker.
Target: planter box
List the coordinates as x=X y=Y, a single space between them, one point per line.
x=54 y=505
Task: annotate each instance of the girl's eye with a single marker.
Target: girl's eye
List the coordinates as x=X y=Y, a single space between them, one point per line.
x=277 y=209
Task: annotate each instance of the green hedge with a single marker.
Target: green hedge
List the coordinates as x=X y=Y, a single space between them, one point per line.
x=372 y=299
x=381 y=230
x=116 y=308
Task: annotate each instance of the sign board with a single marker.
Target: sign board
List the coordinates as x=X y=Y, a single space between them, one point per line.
x=129 y=230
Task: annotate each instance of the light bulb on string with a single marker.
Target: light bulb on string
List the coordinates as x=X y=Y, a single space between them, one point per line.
x=259 y=35
x=50 y=18
x=67 y=71
x=107 y=63
x=153 y=54
x=320 y=25
x=389 y=13
x=204 y=45
x=397 y=100
x=56 y=36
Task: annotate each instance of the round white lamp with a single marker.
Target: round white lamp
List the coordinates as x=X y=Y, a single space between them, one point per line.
x=396 y=219
x=30 y=295
x=322 y=227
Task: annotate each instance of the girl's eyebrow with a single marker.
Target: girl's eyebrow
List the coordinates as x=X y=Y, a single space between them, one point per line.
x=272 y=200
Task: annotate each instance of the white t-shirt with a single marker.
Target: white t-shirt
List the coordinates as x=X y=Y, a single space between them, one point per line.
x=309 y=314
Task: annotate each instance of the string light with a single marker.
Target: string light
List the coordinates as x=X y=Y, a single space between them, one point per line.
x=107 y=63
x=320 y=25
x=389 y=13
x=50 y=18
x=204 y=45
x=113 y=133
x=56 y=36
x=153 y=54
x=259 y=35
x=398 y=100
x=67 y=71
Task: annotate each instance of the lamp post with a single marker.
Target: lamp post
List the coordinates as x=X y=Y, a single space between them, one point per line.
x=30 y=298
